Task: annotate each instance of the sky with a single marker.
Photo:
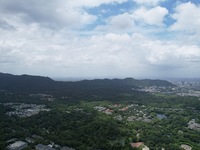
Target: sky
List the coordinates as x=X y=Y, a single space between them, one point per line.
x=100 y=38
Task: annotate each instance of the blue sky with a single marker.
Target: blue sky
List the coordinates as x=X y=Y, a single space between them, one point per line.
x=97 y=39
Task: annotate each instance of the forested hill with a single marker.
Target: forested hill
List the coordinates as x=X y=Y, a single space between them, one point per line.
x=147 y=82
x=27 y=83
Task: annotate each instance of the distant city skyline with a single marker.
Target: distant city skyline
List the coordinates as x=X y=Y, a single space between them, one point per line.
x=100 y=39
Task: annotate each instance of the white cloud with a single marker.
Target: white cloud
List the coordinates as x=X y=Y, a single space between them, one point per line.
x=32 y=49
x=187 y=18
x=93 y=3
x=148 y=2
x=153 y=16
x=43 y=40
x=54 y=14
x=135 y=21
x=172 y=54
x=121 y=22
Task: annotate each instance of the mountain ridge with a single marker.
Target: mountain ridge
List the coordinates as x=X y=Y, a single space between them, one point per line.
x=39 y=83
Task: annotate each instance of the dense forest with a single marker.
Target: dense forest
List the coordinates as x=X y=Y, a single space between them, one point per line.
x=75 y=119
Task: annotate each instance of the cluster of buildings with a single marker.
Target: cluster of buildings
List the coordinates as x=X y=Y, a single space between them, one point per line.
x=111 y=108
x=126 y=112
x=136 y=118
x=190 y=93
x=24 y=110
x=104 y=109
x=187 y=88
x=151 y=89
x=20 y=145
x=142 y=146
x=46 y=97
x=192 y=83
x=182 y=88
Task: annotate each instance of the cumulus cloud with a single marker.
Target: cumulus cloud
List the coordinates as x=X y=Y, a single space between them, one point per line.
x=51 y=14
x=187 y=17
x=122 y=21
x=43 y=38
x=153 y=16
x=135 y=20
x=59 y=13
x=112 y=54
x=172 y=54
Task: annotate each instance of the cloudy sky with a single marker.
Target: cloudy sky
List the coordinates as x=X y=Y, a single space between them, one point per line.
x=100 y=38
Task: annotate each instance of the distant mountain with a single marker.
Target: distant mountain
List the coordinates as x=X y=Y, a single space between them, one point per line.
x=28 y=83
x=24 y=82
x=147 y=82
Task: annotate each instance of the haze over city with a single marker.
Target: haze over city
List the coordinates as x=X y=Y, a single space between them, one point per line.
x=100 y=38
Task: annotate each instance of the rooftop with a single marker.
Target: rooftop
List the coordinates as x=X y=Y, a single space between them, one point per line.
x=18 y=145
x=138 y=144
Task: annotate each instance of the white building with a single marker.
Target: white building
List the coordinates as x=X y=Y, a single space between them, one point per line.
x=18 y=145
x=186 y=147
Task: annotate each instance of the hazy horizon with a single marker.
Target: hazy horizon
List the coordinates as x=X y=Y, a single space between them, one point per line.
x=74 y=79
x=100 y=39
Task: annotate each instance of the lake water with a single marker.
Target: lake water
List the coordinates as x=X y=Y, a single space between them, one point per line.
x=161 y=116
